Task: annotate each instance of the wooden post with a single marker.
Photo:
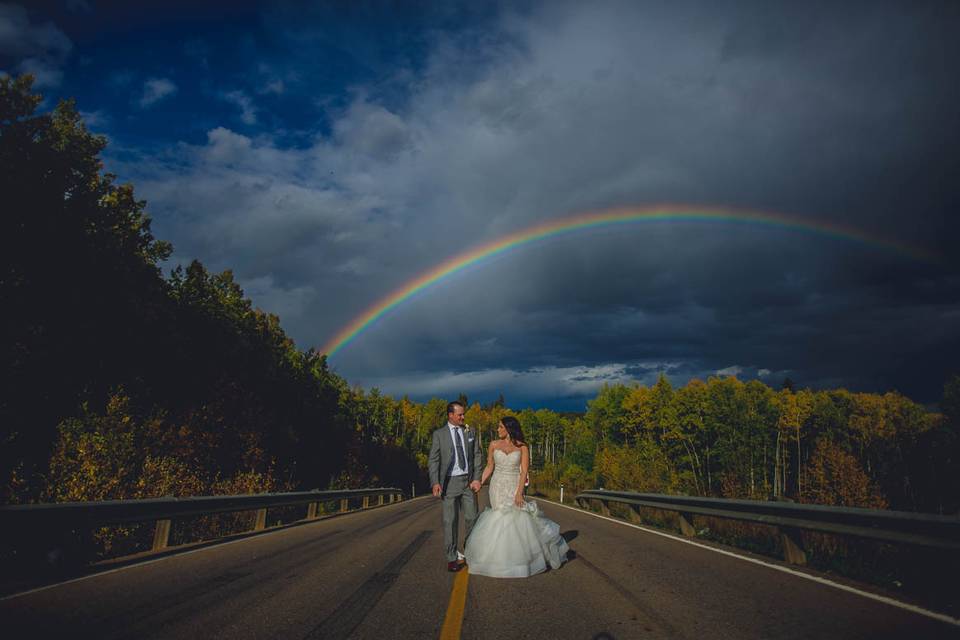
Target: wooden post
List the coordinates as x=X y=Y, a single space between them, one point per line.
x=686 y=525
x=312 y=511
x=793 y=551
x=604 y=507
x=343 y=505
x=380 y=500
x=261 y=520
x=581 y=503
x=366 y=502
x=161 y=535
x=634 y=514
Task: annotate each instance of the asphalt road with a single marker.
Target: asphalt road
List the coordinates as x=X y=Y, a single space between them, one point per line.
x=380 y=574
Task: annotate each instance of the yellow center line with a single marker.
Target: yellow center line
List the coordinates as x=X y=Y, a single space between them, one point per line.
x=458 y=600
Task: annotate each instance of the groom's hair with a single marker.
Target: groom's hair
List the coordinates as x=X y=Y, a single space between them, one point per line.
x=455 y=403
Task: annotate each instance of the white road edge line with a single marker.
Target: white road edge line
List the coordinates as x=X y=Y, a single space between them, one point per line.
x=942 y=617
x=175 y=555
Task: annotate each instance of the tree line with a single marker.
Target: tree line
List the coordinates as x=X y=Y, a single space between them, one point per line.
x=732 y=439
x=120 y=382
x=726 y=438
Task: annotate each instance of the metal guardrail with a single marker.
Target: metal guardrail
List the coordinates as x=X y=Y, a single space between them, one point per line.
x=26 y=518
x=900 y=527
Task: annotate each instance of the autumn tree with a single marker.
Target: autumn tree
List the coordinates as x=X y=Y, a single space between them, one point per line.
x=836 y=477
x=794 y=410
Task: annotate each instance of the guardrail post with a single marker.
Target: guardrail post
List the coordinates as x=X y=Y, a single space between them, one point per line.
x=380 y=500
x=790 y=520
x=633 y=513
x=686 y=525
x=161 y=535
x=793 y=551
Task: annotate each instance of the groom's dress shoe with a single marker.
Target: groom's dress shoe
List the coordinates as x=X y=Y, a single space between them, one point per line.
x=454 y=566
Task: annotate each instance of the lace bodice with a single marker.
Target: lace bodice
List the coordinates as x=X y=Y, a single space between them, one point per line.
x=506 y=472
x=511 y=542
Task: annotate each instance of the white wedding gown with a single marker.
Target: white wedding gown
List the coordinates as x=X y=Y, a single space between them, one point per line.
x=509 y=541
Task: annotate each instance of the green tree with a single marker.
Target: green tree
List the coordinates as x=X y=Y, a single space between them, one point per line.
x=938 y=455
x=758 y=424
x=581 y=445
x=606 y=415
x=87 y=311
x=78 y=272
x=682 y=430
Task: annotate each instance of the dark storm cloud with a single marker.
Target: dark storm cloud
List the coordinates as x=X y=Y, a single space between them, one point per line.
x=27 y=46
x=844 y=114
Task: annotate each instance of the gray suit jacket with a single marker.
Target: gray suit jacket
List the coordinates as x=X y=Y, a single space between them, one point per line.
x=443 y=456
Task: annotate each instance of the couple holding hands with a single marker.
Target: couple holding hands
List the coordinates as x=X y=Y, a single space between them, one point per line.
x=511 y=539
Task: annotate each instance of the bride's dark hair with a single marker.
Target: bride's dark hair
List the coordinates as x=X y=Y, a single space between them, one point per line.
x=512 y=425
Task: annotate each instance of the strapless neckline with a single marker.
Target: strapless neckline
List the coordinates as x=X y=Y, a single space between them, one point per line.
x=505 y=453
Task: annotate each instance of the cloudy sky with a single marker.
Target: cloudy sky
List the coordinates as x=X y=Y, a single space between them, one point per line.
x=329 y=153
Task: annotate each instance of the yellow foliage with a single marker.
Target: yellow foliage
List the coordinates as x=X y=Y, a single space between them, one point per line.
x=635 y=468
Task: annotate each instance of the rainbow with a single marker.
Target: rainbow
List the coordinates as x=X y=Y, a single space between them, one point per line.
x=580 y=222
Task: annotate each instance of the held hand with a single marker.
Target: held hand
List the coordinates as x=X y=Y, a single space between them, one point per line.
x=436 y=491
x=518 y=498
x=475 y=485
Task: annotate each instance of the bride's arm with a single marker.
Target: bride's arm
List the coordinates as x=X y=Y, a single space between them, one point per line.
x=487 y=470
x=524 y=467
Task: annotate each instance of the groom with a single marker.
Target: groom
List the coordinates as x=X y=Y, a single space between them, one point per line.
x=455 y=468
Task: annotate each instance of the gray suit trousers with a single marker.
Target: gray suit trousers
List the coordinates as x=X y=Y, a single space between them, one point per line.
x=457 y=497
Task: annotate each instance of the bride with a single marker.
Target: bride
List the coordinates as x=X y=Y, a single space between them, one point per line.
x=512 y=539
